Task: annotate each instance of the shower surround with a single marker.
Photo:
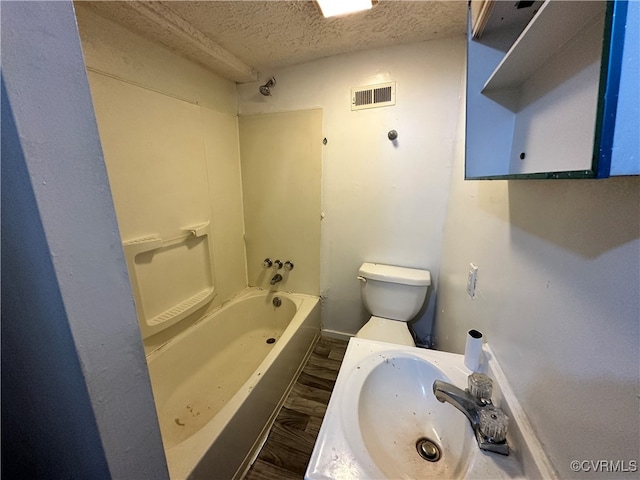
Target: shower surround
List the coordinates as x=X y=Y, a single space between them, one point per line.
x=196 y=223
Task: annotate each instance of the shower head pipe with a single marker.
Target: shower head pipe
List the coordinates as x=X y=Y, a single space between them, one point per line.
x=266 y=88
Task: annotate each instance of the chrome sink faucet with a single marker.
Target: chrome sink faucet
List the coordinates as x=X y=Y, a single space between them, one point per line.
x=276 y=278
x=488 y=422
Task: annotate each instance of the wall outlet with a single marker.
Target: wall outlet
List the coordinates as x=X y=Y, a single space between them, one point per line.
x=472 y=280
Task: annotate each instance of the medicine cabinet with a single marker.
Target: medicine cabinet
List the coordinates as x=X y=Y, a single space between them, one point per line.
x=552 y=89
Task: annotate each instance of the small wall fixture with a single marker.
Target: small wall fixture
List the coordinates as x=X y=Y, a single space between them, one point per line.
x=332 y=8
x=266 y=88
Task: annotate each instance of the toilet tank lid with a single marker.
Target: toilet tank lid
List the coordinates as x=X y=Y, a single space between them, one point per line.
x=393 y=274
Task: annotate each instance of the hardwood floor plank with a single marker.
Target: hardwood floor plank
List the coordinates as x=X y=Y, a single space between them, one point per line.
x=261 y=470
x=313 y=427
x=311 y=393
x=304 y=441
x=293 y=418
x=316 y=382
x=310 y=407
x=286 y=453
x=324 y=362
x=322 y=349
x=326 y=346
x=337 y=354
x=321 y=372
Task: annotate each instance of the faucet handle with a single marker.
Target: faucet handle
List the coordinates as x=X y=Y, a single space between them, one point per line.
x=267 y=263
x=277 y=264
x=288 y=265
x=493 y=424
x=480 y=386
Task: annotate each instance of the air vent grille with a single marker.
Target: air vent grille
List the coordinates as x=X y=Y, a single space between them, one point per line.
x=372 y=96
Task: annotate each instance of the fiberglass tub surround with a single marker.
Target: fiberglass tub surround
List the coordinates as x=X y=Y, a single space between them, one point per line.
x=218 y=384
x=383 y=412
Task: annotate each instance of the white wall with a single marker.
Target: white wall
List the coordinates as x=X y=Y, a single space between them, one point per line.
x=383 y=203
x=557 y=299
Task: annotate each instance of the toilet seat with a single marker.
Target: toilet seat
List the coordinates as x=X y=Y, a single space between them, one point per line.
x=386 y=330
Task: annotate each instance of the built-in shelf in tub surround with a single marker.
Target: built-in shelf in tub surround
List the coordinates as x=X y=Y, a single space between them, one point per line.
x=171 y=277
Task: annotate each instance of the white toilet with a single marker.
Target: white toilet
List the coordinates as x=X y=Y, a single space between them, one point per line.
x=393 y=296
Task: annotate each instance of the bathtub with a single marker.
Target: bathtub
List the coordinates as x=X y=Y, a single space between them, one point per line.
x=219 y=384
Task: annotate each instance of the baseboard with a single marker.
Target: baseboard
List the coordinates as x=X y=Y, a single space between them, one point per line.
x=336 y=334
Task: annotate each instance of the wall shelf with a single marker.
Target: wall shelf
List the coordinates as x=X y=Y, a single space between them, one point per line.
x=542 y=91
x=182 y=309
x=171 y=276
x=142 y=244
x=551 y=28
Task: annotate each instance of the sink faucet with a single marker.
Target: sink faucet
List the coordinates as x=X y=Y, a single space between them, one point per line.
x=276 y=278
x=481 y=413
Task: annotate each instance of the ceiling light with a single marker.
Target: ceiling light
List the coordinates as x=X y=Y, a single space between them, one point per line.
x=331 y=8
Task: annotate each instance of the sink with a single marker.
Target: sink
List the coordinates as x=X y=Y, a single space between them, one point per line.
x=396 y=409
x=383 y=420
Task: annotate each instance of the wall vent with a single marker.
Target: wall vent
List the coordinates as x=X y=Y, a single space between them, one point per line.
x=372 y=96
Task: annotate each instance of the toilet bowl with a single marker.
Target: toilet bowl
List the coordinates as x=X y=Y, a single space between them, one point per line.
x=393 y=295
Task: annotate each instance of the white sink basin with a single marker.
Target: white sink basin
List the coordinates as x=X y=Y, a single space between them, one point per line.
x=396 y=408
x=383 y=405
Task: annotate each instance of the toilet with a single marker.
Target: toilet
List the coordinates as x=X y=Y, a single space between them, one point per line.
x=393 y=295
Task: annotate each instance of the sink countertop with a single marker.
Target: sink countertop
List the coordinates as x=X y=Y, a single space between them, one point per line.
x=372 y=436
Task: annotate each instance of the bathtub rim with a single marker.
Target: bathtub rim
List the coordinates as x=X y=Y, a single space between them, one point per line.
x=247 y=292
x=183 y=457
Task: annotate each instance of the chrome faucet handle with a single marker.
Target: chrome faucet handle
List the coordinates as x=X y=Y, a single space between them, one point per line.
x=267 y=263
x=277 y=264
x=288 y=265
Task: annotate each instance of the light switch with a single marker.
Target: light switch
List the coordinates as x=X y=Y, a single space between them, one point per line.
x=472 y=280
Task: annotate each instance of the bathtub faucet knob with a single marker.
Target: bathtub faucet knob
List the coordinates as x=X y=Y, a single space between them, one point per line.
x=277 y=265
x=288 y=265
x=267 y=263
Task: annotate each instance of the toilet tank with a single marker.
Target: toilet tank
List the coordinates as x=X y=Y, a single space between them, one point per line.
x=393 y=292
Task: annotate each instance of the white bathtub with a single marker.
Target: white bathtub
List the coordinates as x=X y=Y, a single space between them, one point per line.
x=219 y=384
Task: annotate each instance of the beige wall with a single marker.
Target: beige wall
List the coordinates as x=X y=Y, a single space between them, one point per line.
x=170 y=139
x=115 y=51
x=281 y=176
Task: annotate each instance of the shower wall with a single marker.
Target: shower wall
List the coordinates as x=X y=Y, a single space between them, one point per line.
x=170 y=139
x=281 y=178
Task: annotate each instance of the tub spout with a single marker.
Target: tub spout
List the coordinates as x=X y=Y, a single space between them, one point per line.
x=276 y=278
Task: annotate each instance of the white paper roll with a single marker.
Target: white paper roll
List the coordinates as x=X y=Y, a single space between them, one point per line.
x=473 y=350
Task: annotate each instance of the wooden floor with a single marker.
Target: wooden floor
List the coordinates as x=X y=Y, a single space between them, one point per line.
x=288 y=448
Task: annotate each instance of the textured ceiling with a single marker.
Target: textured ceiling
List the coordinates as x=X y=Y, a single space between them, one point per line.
x=243 y=36
x=282 y=33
